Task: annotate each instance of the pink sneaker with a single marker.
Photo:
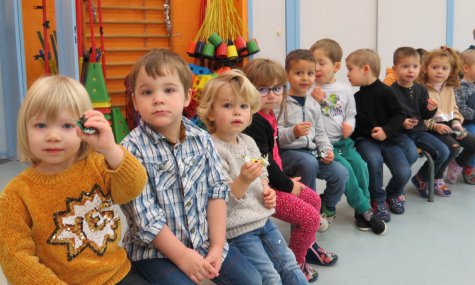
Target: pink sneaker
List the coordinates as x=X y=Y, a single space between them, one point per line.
x=453 y=172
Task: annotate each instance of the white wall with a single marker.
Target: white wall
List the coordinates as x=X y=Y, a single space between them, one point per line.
x=418 y=26
x=269 y=28
x=352 y=23
x=376 y=24
x=464 y=23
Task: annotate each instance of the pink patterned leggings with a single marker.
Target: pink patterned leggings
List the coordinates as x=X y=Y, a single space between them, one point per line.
x=303 y=213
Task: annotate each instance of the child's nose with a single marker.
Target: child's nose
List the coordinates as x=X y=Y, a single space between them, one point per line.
x=53 y=136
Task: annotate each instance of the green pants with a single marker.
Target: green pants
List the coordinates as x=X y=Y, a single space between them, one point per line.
x=356 y=190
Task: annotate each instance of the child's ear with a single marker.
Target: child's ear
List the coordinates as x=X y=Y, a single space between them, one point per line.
x=366 y=68
x=188 y=95
x=210 y=117
x=465 y=68
x=336 y=67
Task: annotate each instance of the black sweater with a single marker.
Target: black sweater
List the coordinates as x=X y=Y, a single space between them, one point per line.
x=377 y=106
x=263 y=133
x=413 y=100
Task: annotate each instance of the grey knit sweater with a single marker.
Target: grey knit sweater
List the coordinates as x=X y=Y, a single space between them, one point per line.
x=248 y=213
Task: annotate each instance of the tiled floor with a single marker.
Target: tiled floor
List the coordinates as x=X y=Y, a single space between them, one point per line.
x=431 y=244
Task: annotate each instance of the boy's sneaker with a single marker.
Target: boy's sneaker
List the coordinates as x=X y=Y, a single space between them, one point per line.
x=323 y=224
x=310 y=273
x=421 y=186
x=318 y=256
x=380 y=210
x=326 y=217
x=469 y=174
x=453 y=172
x=396 y=205
x=369 y=221
x=441 y=189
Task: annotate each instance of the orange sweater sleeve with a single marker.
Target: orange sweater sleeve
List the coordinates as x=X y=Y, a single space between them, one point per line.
x=17 y=247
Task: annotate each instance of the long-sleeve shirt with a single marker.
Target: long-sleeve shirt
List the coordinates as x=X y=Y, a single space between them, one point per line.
x=264 y=134
x=316 y=139
x=377 y=106
x=414 y=102
x=337 y=107
x=181 y=180
x=62 y=228
x=465 y=98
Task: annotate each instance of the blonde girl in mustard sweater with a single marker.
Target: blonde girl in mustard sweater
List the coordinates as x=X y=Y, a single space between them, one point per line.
x=57 y=221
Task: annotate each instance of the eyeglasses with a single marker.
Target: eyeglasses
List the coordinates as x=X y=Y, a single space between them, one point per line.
x=277 y=90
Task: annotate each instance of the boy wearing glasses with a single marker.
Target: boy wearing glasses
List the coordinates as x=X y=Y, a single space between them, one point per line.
x=338 y=108
x=305 y=149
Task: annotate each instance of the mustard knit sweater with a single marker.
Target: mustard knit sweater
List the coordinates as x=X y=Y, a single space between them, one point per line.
x=62 y=228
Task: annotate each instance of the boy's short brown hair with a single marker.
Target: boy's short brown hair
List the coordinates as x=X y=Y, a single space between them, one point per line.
x=296 y=55
x=330 y=48
x=161 y=62
x=362 y=57
x=404 y=52
x=468 y=57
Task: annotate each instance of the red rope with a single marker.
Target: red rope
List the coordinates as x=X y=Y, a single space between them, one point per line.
x=101 y=31
x=45 y=39
x=92 y=57
x=79 y=32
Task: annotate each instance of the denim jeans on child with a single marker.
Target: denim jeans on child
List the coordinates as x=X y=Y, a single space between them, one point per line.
x=471 y=129
x=437 y=150
x=236 y=269
x=265 y=247
x=376 y=153
x=301 y=163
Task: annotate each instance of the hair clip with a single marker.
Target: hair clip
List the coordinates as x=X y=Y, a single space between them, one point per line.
x=85 y=130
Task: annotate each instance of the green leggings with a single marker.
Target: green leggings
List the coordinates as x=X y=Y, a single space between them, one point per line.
x=356 y=190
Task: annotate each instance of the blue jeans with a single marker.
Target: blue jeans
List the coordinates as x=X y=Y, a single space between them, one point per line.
x=376 y=153
x=408 y=147
x=265 y=247
x=236 y=269
x=437 y=150
x=301 y=163
x=471 y=129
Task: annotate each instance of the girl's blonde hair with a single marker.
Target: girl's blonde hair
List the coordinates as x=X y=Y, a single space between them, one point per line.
x=241 y=87
x=265 y=72
x=454 y=61
x=49 y=96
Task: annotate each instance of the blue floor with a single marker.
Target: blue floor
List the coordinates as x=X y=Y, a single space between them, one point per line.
x=428 y=245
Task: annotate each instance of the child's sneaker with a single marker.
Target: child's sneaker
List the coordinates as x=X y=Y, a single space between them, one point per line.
x=323 y=224
x=326 y=218
x=380 y=210
x=319 y=256
x=396 y=205
x=369 y=221
x=469 y=174
x=310 y=273
x=453 y=172
x=421 y=186
x=441 y=189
